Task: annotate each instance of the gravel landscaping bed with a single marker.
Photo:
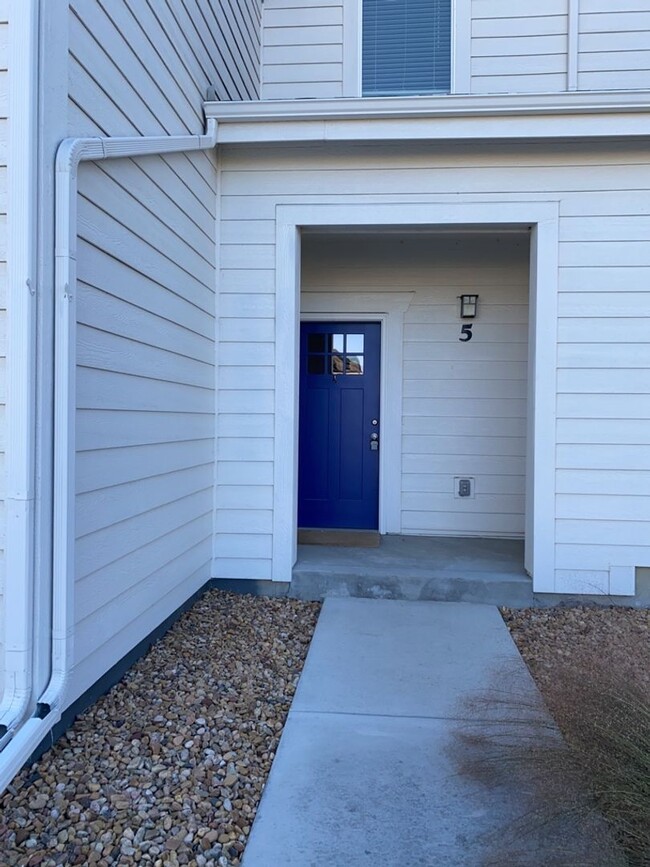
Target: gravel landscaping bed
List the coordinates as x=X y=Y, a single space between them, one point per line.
x=548 y=638
x=169 y=766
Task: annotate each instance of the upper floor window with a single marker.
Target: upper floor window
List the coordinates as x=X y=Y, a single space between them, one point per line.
x=406 y=46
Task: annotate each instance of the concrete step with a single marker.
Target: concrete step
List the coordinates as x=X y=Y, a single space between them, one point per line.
x=485 y=571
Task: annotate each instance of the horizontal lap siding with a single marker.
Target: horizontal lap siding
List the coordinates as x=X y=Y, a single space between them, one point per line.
x=146 y=310
x=143 y=68
x=302 y=54
x=244 y=495
x=603 y=386
x=4 y=38
x=515 y=48
x=464 y=410
x=603 y=281
x=614 y=45
x=145 y=406
x=519 y=47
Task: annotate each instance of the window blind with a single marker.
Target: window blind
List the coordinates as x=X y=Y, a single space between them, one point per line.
x=406 y=46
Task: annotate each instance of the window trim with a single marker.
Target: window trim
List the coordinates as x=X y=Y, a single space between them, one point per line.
x=461 y=25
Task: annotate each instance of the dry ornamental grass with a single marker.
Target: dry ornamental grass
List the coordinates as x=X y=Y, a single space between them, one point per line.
x=592 y=665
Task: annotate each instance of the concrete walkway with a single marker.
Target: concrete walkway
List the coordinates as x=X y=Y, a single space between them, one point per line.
x=367 y=772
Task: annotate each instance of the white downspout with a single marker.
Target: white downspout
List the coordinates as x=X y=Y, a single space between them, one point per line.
x=70 y=154
x=21 y=365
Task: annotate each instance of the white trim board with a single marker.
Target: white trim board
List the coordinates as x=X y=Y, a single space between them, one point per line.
x=543 y=218
x=352 y=47
x=461 y=46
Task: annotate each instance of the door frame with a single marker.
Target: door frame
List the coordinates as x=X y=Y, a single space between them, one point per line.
x=538 y=216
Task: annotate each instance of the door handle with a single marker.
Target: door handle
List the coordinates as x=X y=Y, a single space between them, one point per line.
x=374 y=442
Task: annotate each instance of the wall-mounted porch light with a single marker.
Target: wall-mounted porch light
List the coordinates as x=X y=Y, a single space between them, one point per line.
x=468 y=305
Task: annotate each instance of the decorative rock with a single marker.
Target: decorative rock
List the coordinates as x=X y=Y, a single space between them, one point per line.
x=38 y=802
x=173 y=843
x=139 y=776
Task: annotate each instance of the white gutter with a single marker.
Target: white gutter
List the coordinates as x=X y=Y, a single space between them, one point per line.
x=70 y=154
x=21 y=365
x=504 y=117
x=433 y=106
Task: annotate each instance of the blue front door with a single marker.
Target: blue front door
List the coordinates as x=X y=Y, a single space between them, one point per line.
x=338 y=471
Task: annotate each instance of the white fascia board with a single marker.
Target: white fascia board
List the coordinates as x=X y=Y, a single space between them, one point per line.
x=612 y=114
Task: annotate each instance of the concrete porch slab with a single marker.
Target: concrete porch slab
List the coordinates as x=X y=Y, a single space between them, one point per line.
x=483 y=571
x=368 y=770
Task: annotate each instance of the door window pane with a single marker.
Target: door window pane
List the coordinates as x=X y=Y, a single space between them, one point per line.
x=354 y=365
x=354 y=343
x=316 y=342
x=336 y=343
x=316 y=364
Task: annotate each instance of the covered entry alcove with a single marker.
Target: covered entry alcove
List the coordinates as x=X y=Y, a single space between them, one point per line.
x=458 y=405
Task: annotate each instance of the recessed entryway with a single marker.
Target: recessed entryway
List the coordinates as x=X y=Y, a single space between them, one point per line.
x=455 y=388
x=473 y=419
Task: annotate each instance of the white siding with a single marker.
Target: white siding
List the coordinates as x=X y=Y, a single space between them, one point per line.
x=514 y=47
x=4 y=38
x=145 y=404
x=519 y=47
x=614 y=44
x=302 y=53
x=604 y=352
x=464 y=409
x=143 y=68
x=146 y=311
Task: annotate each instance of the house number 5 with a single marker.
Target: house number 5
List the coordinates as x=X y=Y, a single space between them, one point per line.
x=466 y=332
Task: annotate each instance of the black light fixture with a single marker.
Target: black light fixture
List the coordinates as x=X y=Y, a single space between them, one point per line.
x=468 y=306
